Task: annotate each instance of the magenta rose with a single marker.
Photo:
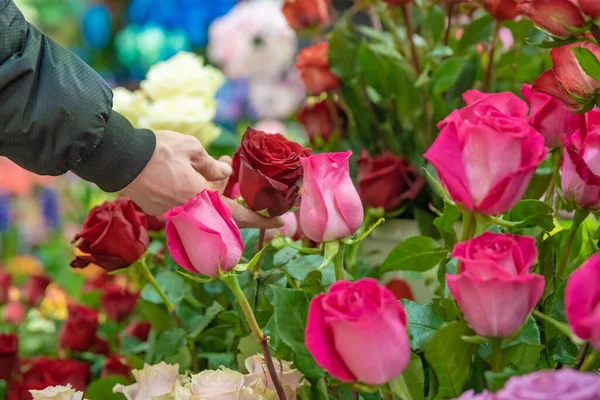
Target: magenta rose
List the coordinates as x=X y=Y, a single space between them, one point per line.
x=330 y=208
x=288 y=230
x=487 y=153
x=357 y=332
x=202 y=236
x=549 y=117
x=562 y=384
x=582 y=301
x=581 y=169
x=494 y=288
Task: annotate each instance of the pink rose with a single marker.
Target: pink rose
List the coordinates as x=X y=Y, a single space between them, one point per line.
x=590 y=8
x=581 y=169
x=582 y=301
x=357 y=332
x=330 y=208
x=494 y=288
x=555 y=16
x=14 y=313
x=487 y=153
x=289 y=229
x=201 y=235
x=549 y=117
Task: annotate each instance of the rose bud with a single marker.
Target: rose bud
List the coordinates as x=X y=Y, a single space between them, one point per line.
x=494 y=289
x=118 y=302
x=386 y=180
x=330 y=207
x=552 y=384
x=14 y=313
x=336 y=332
x=502 y=10
x=567 y=81
x=580 y=169
x=487 y=153
x=9 y=356
x=289 y=229
x=313 y=64
x=5 y=284
x=35 y=289
x=139 y=330
x=155 y=223
x=57 y=392
x=115 y=235
x=591 y=8
x=269 y=172
x=318 y=121
x=582 y=301
x=401 y=289
x=152 y=381
x=556 y=16
x=202 y=236
x=79 y=330
x=306 y=14
x=117 y=365
x=549 y=117
x=43 y=372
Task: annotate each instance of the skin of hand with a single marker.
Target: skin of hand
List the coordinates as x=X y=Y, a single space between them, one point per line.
x=179 y=169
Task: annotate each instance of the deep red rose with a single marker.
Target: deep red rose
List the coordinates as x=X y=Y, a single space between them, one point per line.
x=139 y=330
x=35 y=289
x=99 y=346
x=386 y=180
x=79 y=330
x=5 y=283
x=99 y=282
x=305 y=14
x=401 y=289
x=502 y=10
x=313 y=64
x=118 y=302
x=43 y=372
x=9 y=356
x=155 y=223
x=268 y=169
x=319 y=120
x=117 y=365
x=115 y=235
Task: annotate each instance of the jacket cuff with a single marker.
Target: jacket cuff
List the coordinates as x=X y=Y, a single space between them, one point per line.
x=120 y=155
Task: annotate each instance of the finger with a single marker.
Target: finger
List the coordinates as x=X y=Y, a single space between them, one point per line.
x=190 y=184
x=226 y=159
x=210 y=168
x=246 y=218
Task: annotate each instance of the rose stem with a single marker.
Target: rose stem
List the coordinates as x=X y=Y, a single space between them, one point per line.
x=468 y=226
x=355 y=395
x=556 y=157
x=232 y=282
x=338 y=263
x=590 y=361
x=580 y=216
x=490 y=68
x=192 y=347
x=261 y=239
x=581 y=356
x=150 y=279
x=449 y=25
x=496 y=356
x=410 y=32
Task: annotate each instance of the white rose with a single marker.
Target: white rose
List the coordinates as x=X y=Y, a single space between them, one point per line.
x=132 y=105
x=276 y=99
x=182 y=74
x=152 y=381
x=57 y=393
x=258 y=377
x=189 y=115
x=222 y=384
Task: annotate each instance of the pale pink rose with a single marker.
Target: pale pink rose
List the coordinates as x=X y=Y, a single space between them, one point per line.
x=582 y=301
x=222 y=384
x=57 y=393
x=152 y=380
x=581 y=169
x=201 y=235
x=259 y=380
x=270 y=126
x=330 y=208
x=289 y=229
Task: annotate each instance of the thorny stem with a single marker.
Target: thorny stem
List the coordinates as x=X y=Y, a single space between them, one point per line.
x=581 y=356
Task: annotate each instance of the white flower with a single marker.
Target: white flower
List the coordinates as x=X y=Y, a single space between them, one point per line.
x=133 y=105
x=189 y=115
x=182 y=74
x=276 y=99
x=258 y=377
x=57 y=393
x=253 y=40
x=270 y=126
x=222 y=384
x=153 y=380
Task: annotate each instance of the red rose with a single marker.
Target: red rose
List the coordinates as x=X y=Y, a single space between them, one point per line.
x=155 y=223
x=115 y=235
x=43 y=372
x=590 y=8
x=313 y=64
x=14 y=313
x=35 y=289
x=319 y=120
x=386 y=180
x=5 y=283
x=99 y=346
x=116 y=365
x=502 y=9
x=118 y=302
x=79 y=330
x=139 y=330
x=305 y=14
x=9 y=356
x=556 y=16
x=269 y=171
x=401 y=289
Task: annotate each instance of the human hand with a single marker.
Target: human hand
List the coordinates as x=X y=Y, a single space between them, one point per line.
x=179 y=169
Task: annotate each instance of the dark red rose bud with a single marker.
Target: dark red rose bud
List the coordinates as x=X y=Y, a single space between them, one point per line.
x=502 y=10
x=319 y=120
x=268 y=169
x=9 y=356
x=115 y=235
x=385 y=180
x=118 y=302
x=155 y=223
x=313 y=64
x=35 y=289
x=99 y=346
x=305 y=14
x=79 y=330
x=42 y=372
x=401 y=289
x=556 y=16
x=139 y=330
x=117 y=365
x=5 y=283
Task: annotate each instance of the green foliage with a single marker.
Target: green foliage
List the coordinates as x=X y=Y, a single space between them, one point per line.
x=423 y=323
x=532 y=213
x=419 y=253
x=101 y=389
x=588 y=61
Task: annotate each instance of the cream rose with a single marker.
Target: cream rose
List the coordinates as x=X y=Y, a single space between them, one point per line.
x=133 y=105
x=152 y=381
x=258 y=377
x=222 y=384
x=57 y=393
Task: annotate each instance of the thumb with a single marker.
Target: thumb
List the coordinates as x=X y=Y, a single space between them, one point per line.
x=210 y=168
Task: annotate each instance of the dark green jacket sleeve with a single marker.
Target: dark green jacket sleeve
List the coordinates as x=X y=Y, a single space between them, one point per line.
x=56 y=111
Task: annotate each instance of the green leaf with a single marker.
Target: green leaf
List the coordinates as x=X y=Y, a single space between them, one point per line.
x=414 y=379
x=447 y=74
x=532 y=213
x=446 y=222
x=284 y=256
x=496 y=380
x=291 y=314
x=419 y=253
x=529 y=333
x=450 y=358
x=247 y=347
x=210 y=314
x=343 y=49
x=91 y=299
x=302 y=266
x=588 y=61
x=523 y=357
x=101 y=389
x=156 y=314
x=169 y=342
x=215 y=360
x=172 y=284
x=563 y=351
x=478 y=31
x=423 y=324
x=195 y=278
x=183 y=357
